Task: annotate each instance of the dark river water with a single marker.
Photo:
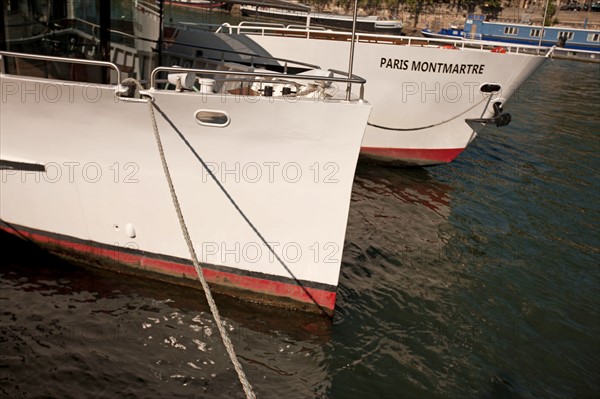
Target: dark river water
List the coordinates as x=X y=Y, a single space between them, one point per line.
x=478 y=279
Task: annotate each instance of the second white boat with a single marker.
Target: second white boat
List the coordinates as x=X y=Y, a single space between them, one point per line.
x=430 y=97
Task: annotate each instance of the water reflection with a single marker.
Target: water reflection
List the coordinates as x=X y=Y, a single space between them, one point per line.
x=398 y=224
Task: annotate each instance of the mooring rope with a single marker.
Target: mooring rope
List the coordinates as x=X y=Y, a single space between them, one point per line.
x=412 y=129
x=239 y=209
x=211 y=302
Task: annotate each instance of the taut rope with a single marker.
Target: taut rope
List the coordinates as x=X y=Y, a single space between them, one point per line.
x=186 y=235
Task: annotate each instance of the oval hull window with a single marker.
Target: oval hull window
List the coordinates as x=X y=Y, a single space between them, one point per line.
x=212 y=118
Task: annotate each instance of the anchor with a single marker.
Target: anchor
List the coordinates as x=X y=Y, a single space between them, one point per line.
x=500 y=118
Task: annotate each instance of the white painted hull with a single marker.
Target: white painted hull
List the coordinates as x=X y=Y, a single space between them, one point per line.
x=425 y=111
x=288 y=166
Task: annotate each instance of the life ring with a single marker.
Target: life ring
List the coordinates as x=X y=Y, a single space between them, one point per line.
x=499 y=49
x=450 y=47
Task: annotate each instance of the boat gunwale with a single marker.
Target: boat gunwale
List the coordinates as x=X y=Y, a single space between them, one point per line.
x=243 y=75
x=309 y=32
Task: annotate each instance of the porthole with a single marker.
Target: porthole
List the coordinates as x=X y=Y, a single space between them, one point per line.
x=212 y=118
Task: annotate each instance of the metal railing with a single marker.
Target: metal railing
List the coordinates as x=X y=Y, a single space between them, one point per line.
x=242 y=75
x=276 y=29
x=293 y=30
x=270 y=75
x=51 y=58
x=249 y=24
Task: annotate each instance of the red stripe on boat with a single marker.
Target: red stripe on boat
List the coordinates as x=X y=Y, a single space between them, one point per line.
x=418 y=156
x=275 y=289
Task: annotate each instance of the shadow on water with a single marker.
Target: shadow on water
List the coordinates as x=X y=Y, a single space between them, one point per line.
x=399 y=218
x=119 y=334
x=40 y=267
x=395 y=269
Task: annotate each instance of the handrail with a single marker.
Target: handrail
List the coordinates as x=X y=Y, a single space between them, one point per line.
x=353 y=80
x=242 y=28
x=345 y=74
x=307 y=28
x=114 y=31
x=208 y=61
x=61 y=59
x=266 y=28
x=260 y=24
x=224 y=25
x=203 y=25
x=78 y=31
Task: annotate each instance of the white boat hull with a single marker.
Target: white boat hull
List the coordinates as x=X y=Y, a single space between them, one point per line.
x=285 y=169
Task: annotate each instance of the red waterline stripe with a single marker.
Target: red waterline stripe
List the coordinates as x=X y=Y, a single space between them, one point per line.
x=417 y=155
x=323 y=298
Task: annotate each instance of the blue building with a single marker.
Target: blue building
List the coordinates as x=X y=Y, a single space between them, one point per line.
x=476 y=27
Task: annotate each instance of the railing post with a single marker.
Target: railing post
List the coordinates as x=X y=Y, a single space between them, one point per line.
x=2 y=32
x=104 y=10
x=351 y=60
